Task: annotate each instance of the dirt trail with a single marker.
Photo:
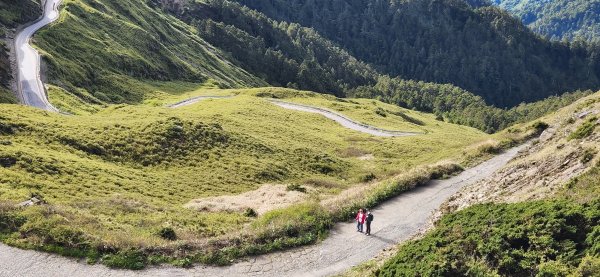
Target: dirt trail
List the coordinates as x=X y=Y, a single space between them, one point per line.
x=395 y=221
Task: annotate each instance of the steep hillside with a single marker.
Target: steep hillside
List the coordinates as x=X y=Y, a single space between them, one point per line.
x=558 y=19
x=537 y=216
x=118 y=51
x=565 y=150
x=485 y=50
x=132 y=169
x=288 y=54
x=13 y=13
x=169 y=47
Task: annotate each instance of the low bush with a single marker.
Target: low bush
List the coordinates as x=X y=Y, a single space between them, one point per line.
x=381 y=112
x=127 y=259
x=588 y=155
x=545 y=238
x=167 y=233
x=586 y=129
x=367 y=178
x=540 y=126
x=249 y=212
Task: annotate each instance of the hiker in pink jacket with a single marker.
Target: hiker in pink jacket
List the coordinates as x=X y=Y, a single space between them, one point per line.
x=360 y=220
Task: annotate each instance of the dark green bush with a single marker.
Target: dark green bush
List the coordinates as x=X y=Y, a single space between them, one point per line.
x=167 y=233
x=127 y=259
x=249 y=212
x=540 y=126
x=523 y=239
x=588 y=155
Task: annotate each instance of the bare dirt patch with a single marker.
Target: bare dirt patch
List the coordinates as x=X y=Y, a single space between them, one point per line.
x=262 y=200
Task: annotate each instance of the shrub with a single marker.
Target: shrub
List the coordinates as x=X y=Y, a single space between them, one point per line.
x=249 y=212
x=293 y=221
x=410 y=119
x=167 y=233
x=127 y=259
x=586 y=129
x=368 y=178
x=521 y=239
x=540 y=126
x=10 y=220
x=380 y=112
x=7 y=161
x=588 y=155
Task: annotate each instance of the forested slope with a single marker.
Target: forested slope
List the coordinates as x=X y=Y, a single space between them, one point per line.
x=485 y=50
x=558 y=19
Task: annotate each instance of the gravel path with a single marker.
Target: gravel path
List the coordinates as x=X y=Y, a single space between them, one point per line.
x=341 y=119
x=395 y=221
x=31 y=89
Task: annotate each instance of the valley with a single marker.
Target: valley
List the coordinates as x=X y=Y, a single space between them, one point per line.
x=236 y=138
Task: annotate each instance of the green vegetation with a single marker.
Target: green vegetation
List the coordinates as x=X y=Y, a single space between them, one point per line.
x=585 y=129
x=131 y=169
x=555 y=236
x=544 y=238
x=107 y=51
x=15 y=12
x=583 y=188
x=558 y=19
x=485 y=50
x=114 y=51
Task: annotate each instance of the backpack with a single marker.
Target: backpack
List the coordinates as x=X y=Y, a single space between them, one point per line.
x=370 y=217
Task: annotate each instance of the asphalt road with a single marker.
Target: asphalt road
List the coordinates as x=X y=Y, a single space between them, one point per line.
x=395 y=221
x=341 y=119
x=31 y=88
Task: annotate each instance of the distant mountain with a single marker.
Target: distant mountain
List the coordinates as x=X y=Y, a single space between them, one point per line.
x=558 y=19
x=483 y=50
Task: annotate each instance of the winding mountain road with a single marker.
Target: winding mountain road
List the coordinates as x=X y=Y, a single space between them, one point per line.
x=341 y=119
x=31 y=90
x=395 y=221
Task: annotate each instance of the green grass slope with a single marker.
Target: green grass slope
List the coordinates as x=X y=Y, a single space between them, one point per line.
x=113 y=179
x=108 y=51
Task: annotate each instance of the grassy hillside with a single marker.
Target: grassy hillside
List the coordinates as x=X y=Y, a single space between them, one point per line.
x=12 y=14
x=558 y=19
x=112 y=51
x=131 y=169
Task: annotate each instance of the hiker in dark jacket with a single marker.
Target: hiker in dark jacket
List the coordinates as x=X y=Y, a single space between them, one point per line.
x=368 y=221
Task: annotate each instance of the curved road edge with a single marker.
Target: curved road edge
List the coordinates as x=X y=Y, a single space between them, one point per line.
x=30 y=88
x=339 y=118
